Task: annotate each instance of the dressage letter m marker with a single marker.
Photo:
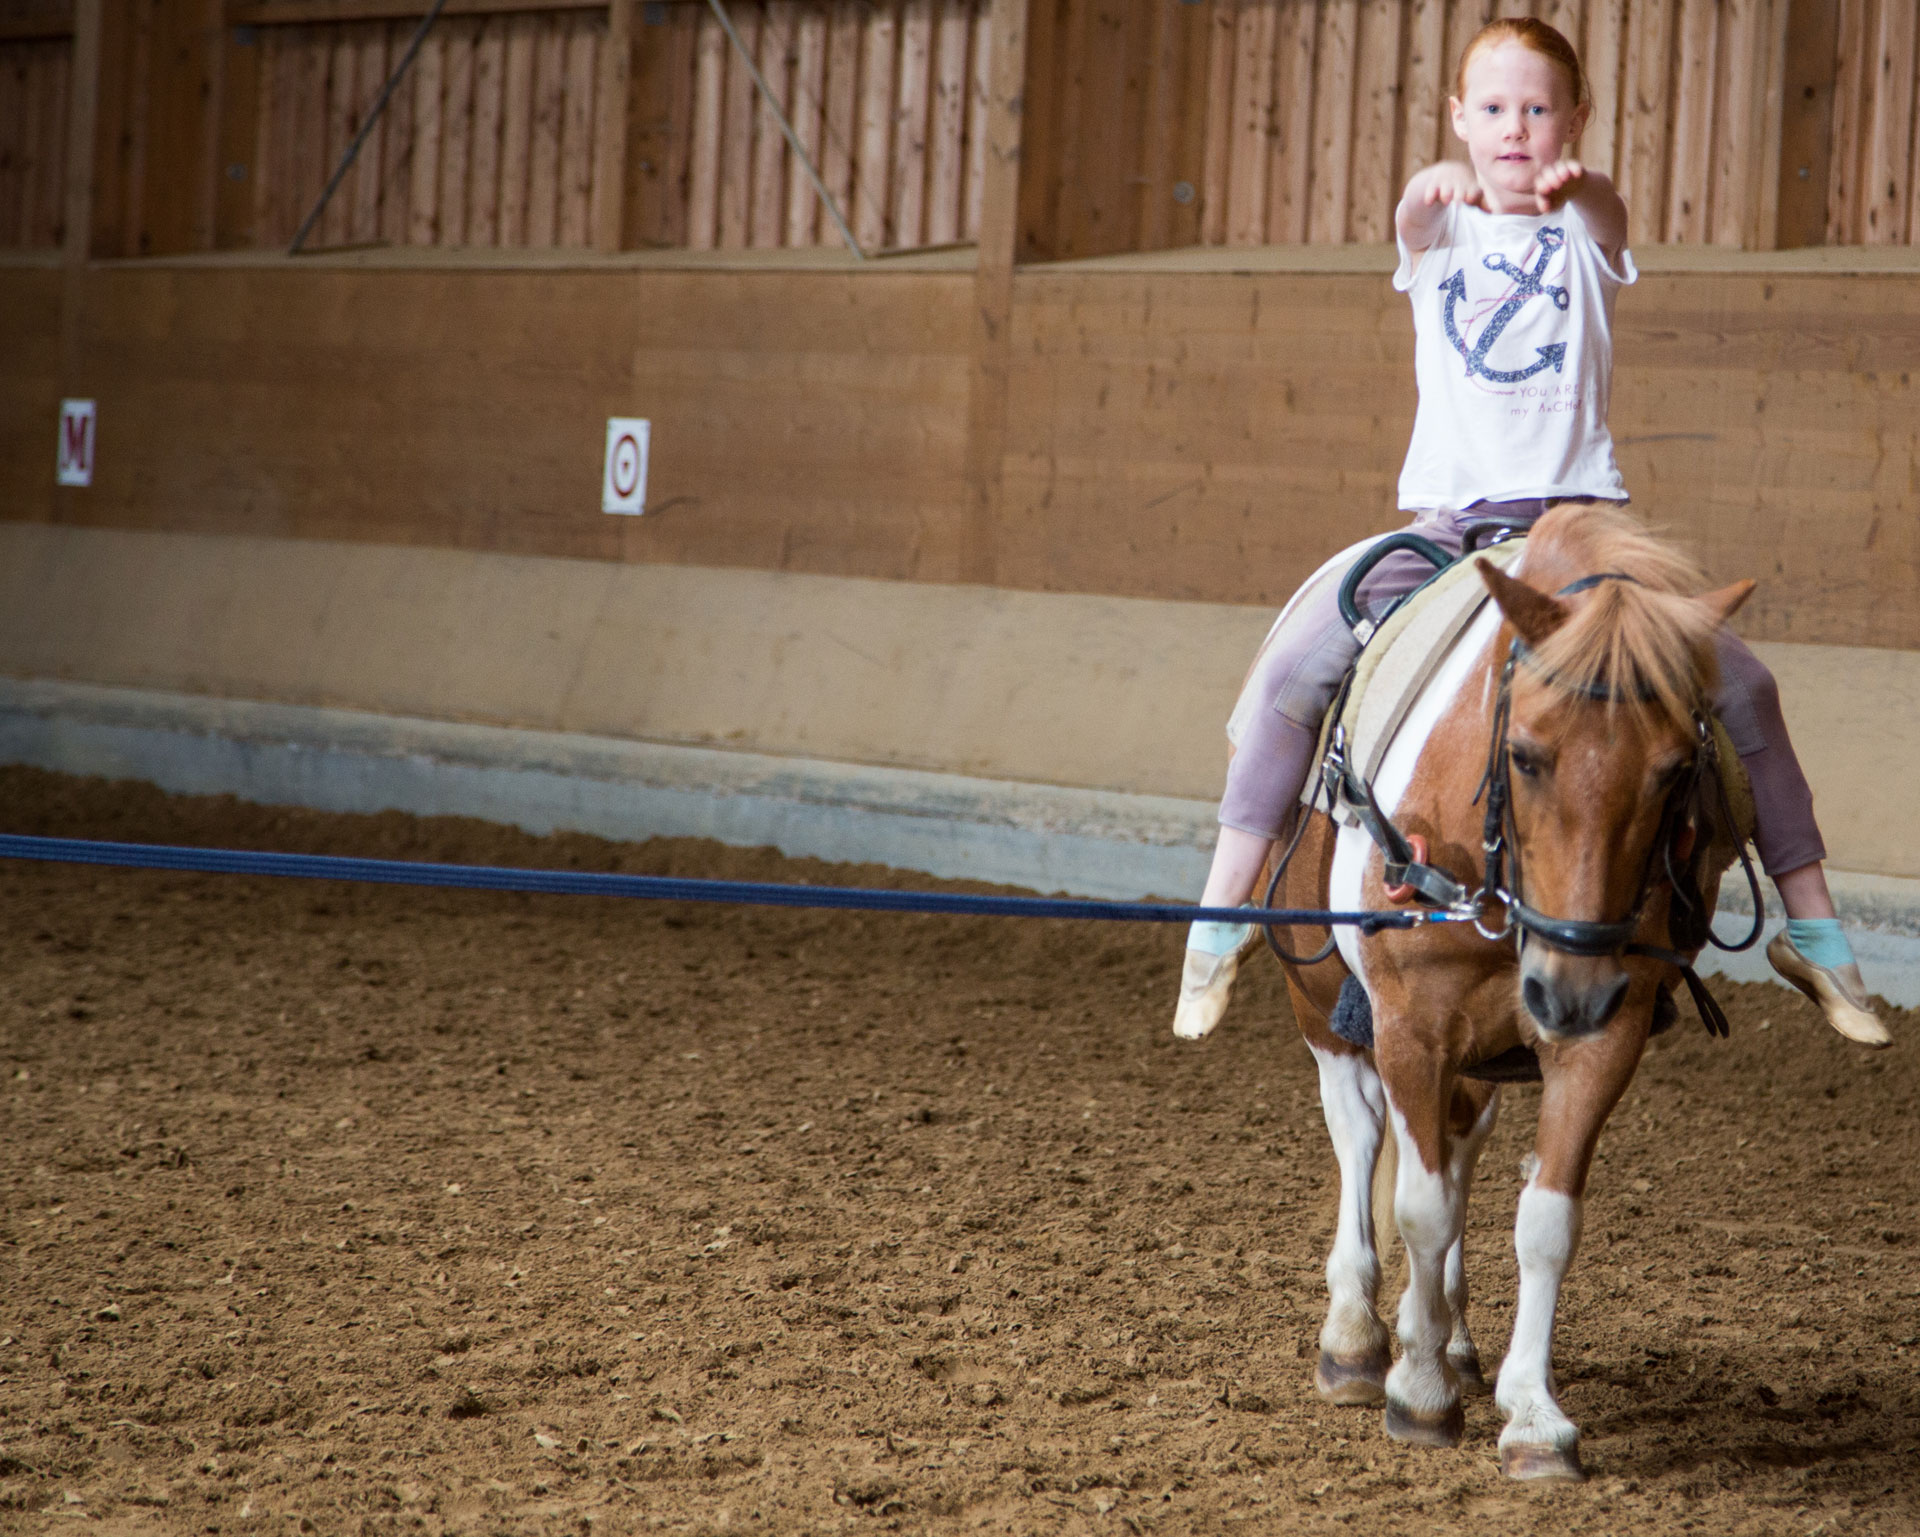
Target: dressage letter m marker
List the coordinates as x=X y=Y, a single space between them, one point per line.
x=74 y=466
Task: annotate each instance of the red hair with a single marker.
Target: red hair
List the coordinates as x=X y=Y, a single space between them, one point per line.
x=1538 y=36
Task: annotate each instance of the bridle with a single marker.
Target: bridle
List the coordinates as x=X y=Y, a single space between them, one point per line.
x=1689 y=923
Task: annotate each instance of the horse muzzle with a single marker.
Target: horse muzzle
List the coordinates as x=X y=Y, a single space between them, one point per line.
x=1571 y=997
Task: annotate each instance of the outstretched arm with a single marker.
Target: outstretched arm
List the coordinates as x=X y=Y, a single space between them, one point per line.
x=1568 y=181
x=1422 y=214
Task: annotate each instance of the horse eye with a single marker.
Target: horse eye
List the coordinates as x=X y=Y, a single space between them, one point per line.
x=1523 y=763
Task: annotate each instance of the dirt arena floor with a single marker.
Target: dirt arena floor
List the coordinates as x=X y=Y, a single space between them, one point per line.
x=351 y=1209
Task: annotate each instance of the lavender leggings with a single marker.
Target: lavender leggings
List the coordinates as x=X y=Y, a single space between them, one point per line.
x=1295 y=677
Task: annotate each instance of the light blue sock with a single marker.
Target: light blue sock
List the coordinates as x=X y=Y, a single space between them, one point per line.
x=1218 y=938
x=1821 y=941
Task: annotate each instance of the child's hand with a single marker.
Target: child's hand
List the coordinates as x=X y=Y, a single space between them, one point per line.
x=1452 y=181
x=1557 y=183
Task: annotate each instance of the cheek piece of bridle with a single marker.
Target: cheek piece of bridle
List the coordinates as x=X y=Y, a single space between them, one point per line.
x=1689 y=923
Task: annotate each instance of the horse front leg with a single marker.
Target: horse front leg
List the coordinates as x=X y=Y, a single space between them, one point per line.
x=1429 y=1204
x=1583 y=1082
x=1353 y=1342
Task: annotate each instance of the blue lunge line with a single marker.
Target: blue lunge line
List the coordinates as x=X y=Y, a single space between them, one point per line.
x=659 y=888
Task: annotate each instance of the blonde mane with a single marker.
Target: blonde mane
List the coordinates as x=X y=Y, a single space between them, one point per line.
x=1646 y=643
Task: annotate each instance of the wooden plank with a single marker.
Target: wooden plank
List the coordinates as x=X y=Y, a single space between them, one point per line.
x=15 y=182
x=612 y=129
x=736 y=136
x=979 y=81
x=806 y=106
x=766 y=204
x=343 y=57
x=547 y=126
x=1887 y=204
x=457 y=136
x=429 y=96
x=1253 y=108
x=30 y=148
x=489 y=117
x=1689 y=179
x=1190 y=115
x=659 y=128
x=841 y=114
x=139 y=140
x=517 y=127
x=1333 y=105
x=209 y=110
x=1216 y=170
x=912 y=105
x=1853 y=79
x=370 y=74
x=1427 y=83
x=947 y=130
x=241 y=114
x=1047 y=141
x=710 y=75
x=1567 y=17
x=879 y=53
x=52 y=196
x=1738 y=93
x=1606 y=78
x=1768 y=115
x=584 y=40
x=1374 y=187
x=1164 y=108
x=1649 y=47
x=397 y=161
x=81 y=156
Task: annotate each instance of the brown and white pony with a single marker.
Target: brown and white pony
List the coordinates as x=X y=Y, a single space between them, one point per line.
x=1605 y=705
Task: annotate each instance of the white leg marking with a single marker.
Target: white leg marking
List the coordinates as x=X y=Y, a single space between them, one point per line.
x=1545 y=1235
x=1352 y=1101
x=1466 y=1154
x=1429 y=1210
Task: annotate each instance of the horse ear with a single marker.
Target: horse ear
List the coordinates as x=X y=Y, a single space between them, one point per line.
x=1529 y=610
x=1725 y=602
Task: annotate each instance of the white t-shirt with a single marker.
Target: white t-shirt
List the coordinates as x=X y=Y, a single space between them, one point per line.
x=1513 y=355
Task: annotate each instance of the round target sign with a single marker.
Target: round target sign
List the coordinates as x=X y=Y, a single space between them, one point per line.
x=626 y=465
x=623 y=483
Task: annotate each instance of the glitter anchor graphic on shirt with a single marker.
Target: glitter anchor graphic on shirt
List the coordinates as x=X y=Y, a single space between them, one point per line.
x=1528 y=285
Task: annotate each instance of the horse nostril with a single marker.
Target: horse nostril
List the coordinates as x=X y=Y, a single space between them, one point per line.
x=1539 y=1001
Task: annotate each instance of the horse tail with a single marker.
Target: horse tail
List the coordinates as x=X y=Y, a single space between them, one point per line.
x=1386 y=1173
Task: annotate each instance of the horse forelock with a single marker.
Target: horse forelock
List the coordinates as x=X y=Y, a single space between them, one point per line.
x=1645 y=644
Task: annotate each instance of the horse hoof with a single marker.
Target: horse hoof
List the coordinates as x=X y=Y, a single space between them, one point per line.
x=1543 y=1462
x=1443 y=1429
x=1362 y=1380
x=1473 y=1381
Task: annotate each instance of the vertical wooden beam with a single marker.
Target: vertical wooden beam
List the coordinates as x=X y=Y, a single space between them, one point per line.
x=612 y=113
x=423 y=182
x=1334 y=71
x=1253 y=116
x=1806 y=121
x=456 y=134
x=1889 y=179
x=1852 y=79
x=993 y=289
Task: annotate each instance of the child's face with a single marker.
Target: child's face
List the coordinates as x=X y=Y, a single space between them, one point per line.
x=1518 y=118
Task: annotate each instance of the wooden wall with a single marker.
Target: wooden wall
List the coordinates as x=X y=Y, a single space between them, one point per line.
x=1169 y=435
x=1258 y=122
x=1153 y=124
